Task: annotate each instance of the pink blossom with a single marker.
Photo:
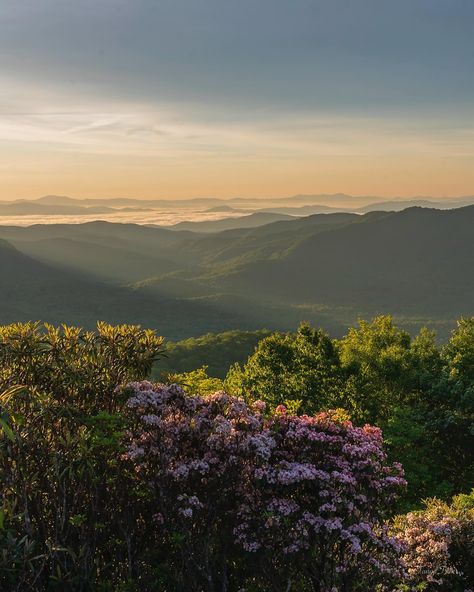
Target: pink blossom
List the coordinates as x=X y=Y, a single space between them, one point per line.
x=279 y=487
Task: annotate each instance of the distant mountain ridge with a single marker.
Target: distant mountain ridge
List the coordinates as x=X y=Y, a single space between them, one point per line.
x=36 y=208
x=326 y=268
x=412 y=262
x=246 y=221
x=328 y=202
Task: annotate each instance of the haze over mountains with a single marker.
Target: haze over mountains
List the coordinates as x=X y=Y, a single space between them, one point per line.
x=326 y=268
x=164 y=212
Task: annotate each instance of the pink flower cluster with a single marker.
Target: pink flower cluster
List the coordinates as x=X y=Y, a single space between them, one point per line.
x=323 y=495
x=283 y=488
x=427 y=546
x=437 y=547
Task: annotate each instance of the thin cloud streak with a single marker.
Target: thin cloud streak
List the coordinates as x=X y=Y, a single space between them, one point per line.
x=270 y=98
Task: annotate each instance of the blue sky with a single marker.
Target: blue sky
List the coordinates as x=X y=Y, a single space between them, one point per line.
x=263 y=97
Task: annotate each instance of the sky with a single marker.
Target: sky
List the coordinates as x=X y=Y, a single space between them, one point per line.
x=227 y=98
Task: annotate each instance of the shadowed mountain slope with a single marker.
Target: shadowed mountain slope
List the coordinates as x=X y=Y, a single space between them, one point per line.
x=123 y=253
x=31 y=290
x=250 y=221
x=415 y=261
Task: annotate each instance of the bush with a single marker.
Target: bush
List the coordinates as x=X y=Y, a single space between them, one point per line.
x=196 y=382
x=287 y=501
x=64 y=516
x=439 y=545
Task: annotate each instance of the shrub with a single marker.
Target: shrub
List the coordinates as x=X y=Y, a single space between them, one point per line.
x=112 y=488
x=196 y=381
x=73 y=367
x=288 y=501
x=64 y=517
x=439 y=545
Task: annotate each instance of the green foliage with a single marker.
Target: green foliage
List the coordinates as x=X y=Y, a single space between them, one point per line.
x=459 y=352
x=409 y=439
x=60 y=475
x=377 y=359
x=68 y=520
x=421 y=395
x=218 y=351
x=450 y=409
x=302 y=367
x=196 y=382
x=74 y=366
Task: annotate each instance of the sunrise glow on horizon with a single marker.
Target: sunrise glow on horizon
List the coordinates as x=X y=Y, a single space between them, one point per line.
x=259 y=99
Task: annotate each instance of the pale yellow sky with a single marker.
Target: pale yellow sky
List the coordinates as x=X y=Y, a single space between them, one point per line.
x=167 y=154
x=208 y=98
x=31 y=175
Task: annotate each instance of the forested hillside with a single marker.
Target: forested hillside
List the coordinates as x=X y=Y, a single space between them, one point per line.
x=412 y=262
x=217 y=352
x=327 y=268
x=32 y=289
x=248 y=221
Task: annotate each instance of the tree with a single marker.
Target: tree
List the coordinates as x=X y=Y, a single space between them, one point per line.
x=459 y=352
x=451 y=413
x=377 y=360
x=196 y=382
x=299 y=369
x=393 y=380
